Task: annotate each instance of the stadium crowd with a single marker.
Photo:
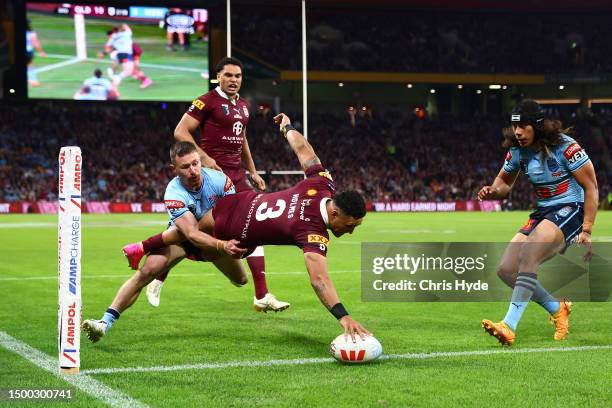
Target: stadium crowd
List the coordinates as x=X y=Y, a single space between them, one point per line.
x=388 y=156
x=420 y=41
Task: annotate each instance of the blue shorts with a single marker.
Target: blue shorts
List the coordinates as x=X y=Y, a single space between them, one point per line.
x=568 y=217
x=122 y=57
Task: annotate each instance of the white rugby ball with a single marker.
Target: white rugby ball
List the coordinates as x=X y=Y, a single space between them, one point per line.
x=360 y=351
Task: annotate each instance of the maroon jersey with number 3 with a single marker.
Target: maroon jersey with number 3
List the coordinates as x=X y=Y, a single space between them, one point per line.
x=222 y=127
x=295 y=216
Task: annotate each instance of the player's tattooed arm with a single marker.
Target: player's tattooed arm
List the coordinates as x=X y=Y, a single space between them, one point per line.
x=319 y=279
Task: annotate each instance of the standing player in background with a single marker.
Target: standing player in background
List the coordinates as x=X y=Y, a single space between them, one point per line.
x=32 y=43
x=566 y=190
x=222 y=118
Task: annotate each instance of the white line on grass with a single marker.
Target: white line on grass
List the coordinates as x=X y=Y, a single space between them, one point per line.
x=58 y=65
x=81 y=381
x=302 y=361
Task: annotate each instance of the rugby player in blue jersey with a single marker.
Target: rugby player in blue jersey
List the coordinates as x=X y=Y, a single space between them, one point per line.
x=567 y=199
x=190 y=195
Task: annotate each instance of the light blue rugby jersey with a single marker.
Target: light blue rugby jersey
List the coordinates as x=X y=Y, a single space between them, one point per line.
x=179 y=200
x=552 y=178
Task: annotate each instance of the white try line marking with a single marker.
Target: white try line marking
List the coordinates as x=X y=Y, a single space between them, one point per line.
x=302 y=361
x=81 y=381
x=181 y=275
x=57 y=65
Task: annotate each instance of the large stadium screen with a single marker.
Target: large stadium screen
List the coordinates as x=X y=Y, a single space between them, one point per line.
x=103 y=52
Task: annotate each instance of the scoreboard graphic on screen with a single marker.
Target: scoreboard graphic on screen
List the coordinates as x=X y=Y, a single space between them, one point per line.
x=103 y=52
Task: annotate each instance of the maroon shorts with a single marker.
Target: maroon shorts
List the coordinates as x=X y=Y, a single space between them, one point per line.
x=230 y=214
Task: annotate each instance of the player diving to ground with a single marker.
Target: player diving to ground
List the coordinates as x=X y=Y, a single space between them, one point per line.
x=567 y=198
x=189 y=195
x=298 y=216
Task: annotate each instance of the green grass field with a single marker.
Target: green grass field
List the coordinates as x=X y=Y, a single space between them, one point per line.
x=203 y=319
x=175 y=75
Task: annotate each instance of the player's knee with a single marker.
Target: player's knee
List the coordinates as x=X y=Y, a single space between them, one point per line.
x=241 y=280
x=507 y=274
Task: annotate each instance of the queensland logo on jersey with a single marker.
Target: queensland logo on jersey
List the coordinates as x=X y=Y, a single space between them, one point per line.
x=317 y=239
x=565 y=211
x=226 y=109
x=311 y=192
x=552 y=164
x=574 y=153
x=197 y=104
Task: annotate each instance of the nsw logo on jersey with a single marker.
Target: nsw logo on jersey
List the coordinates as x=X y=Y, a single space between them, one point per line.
x=552 y=164
x=574 y=153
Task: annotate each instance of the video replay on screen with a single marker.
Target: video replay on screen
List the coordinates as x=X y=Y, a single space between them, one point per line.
x=102 y=52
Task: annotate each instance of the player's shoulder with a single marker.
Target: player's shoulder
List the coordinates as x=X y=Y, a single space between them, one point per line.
x=212 y=173
x=567 y=147
x=175 y=187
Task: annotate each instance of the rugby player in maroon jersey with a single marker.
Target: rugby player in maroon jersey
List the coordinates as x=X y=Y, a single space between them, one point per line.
x=222 y=117
x=298 y=216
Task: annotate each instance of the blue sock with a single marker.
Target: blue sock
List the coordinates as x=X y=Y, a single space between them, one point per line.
x=524 y=287
x=545 y=299
x=109 y=317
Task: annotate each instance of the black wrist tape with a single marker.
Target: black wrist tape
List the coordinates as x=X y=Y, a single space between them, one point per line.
x=338 y=311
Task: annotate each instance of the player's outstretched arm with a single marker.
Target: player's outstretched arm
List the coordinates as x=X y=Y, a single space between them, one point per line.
x=300 y=146
x=500 y=188
x=184 y=131
x=325 y=290
x=188 y=226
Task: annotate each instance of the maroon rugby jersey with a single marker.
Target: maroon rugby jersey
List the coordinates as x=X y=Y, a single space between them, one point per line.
x=294 y=216
x=222 y=126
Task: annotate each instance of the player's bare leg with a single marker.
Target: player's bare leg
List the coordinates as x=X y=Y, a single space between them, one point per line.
x=155 y=264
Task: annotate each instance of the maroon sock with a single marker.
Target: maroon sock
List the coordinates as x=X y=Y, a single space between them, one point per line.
x=153 y=243
x=163 y=276
x=258 y=266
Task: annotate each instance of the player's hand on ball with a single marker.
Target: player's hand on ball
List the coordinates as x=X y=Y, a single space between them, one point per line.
x=585 y=239
x=353 y=327
x=231 y=248
x=487 y=192
x=259 y=182
x=209 y=162
x=282 y=120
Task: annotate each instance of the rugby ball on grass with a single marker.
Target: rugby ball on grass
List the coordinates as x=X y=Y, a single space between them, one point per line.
x=358 y=352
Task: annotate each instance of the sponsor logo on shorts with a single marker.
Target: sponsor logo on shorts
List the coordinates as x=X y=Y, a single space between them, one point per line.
x=198 y=104
x=311 y=192
x=565 y=211
x=173 y=204
x=317 y=239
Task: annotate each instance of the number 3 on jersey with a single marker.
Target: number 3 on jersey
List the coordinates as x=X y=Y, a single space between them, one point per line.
x=263 y=212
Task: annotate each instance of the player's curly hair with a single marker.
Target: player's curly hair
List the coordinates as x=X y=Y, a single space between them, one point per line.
x=180 y=149
x=228 y=61
x=351 y=203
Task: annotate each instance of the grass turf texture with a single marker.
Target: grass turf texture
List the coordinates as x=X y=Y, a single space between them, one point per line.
x=56 y=34
x=204 y=319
